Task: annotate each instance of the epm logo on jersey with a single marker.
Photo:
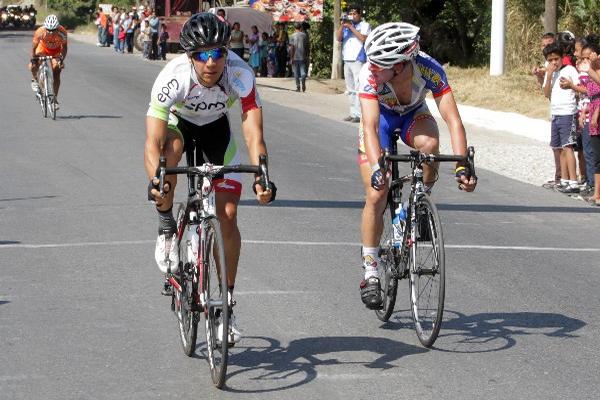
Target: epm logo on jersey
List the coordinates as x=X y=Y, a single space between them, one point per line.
x=432 y=75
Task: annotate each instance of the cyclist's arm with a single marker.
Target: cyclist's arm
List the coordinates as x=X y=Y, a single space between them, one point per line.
x=449 y=112
x=156 y=136
x=63 y=52
x=252 y=128
x=34 y=46
x=370 y=124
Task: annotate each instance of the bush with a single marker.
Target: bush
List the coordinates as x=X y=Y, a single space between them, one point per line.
x=321 y=47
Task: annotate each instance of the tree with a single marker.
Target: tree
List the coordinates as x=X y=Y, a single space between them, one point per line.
x=336 y=57
x=550 y=16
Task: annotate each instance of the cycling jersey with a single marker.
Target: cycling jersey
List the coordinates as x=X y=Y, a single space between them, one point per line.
x=428 y=74
x=49 y=43
x=178 y=91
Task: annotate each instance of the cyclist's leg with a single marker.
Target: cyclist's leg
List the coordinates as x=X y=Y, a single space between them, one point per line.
x=227 y=204
x=56 y=70
x=420 y=132
x=372 y=216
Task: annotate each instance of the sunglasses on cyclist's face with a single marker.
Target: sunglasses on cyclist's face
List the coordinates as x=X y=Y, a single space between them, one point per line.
x=216 y=54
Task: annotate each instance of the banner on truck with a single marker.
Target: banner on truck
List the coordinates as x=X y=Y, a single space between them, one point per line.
x=291 y=10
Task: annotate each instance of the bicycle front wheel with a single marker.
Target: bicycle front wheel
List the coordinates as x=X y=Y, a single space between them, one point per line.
x=217 y=308
x=184 y=301
x=388 y=277
x=427 y=271
x=49 y=92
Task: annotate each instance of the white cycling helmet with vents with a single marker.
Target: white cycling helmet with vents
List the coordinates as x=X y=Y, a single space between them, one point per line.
x=51 y=22
x=392 y=43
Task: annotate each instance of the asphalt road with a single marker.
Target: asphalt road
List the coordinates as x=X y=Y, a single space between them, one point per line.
x=81 y=315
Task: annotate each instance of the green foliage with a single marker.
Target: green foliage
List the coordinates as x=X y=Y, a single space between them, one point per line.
x=579 y=16
x=321 y=43
x=72 y=13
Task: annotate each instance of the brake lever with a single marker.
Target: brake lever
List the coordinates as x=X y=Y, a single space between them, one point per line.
x=161 y=175
x=471 y=161
x=262 y=163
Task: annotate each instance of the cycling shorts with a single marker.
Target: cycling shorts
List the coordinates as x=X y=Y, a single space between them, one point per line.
x=390 y=121
x=214 y=144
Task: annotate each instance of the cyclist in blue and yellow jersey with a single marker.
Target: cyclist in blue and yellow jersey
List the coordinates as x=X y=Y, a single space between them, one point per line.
x=190 y=100
x=393 y=85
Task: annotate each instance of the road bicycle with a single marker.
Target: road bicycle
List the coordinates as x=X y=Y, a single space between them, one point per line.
x=200 y=281
x=45 y=93
x=419 y=255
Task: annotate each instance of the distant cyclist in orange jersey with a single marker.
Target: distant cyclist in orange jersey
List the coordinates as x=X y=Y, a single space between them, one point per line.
x=49 y=40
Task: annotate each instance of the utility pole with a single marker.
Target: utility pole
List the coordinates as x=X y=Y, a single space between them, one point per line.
x=336 y=59
x=497 y=40
x=550 y=16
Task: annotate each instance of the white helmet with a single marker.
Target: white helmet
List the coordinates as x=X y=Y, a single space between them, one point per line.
x=51 y=22
x=392 y=43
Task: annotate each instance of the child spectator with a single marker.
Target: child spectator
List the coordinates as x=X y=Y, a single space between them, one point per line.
x=252 y=41
x=591 y=64
x=164 y=36
x=146 y=38
x=563 y=107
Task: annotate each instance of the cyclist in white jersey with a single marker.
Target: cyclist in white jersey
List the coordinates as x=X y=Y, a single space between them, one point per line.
x=393 y=85
x=190 y=100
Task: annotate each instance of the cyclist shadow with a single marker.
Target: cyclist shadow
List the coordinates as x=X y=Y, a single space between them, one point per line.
x=273 y=367
x=88 y=116
x=487 y=332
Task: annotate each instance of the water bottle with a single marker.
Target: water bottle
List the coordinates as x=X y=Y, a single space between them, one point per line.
x=192 y=243
x=398 y=223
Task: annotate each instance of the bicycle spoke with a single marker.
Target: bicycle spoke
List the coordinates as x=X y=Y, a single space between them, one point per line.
x=427 y=273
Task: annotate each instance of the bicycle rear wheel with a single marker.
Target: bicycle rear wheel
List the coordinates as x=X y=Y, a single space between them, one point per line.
x=388 y=278
x=427 y=272
x=217 y=308
x=184 y=301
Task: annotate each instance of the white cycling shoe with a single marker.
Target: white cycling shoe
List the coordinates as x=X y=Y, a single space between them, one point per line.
x=234 y=332
x=35 y=86
x=166 y=252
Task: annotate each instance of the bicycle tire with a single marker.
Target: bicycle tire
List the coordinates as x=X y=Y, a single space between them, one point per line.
x=427 y=282
x=49 y=89
x=389 y=280
x=187 y=317
x=214 y=290
x=42 y=90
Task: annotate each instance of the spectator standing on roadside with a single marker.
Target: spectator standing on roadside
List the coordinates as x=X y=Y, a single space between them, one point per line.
x=128 y=29
x=299 y=48
x=264 y=48
x=282 y=49
x=563 y=107
x=252 y=41
x=102 y=28
x=584 y=54
x=164 y=36
x=236 y=43
x=591 y=65
x=116 y=24
x=272 y=57
x=154 y=27
x=146 y=39
x=539 y=71
x=353 y=33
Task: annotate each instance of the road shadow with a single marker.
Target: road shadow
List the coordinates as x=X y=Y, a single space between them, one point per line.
x=88 y=116
x=504 y=208
x=308 y=203
x=488 y=332
x=15 y=34
x=28 y=198
x=275 y=87
x=2 y=302
x=274 y=367
x=5 y=242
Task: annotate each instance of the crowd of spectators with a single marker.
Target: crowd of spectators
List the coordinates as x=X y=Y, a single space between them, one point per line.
x=119 y=26
x=570 y=79
x=270 y=54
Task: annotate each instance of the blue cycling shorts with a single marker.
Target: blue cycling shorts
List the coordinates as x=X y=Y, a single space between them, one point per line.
x=390 y=121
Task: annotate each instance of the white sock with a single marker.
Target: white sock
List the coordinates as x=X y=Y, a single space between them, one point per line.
x=370 y=261
x=573 y=183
